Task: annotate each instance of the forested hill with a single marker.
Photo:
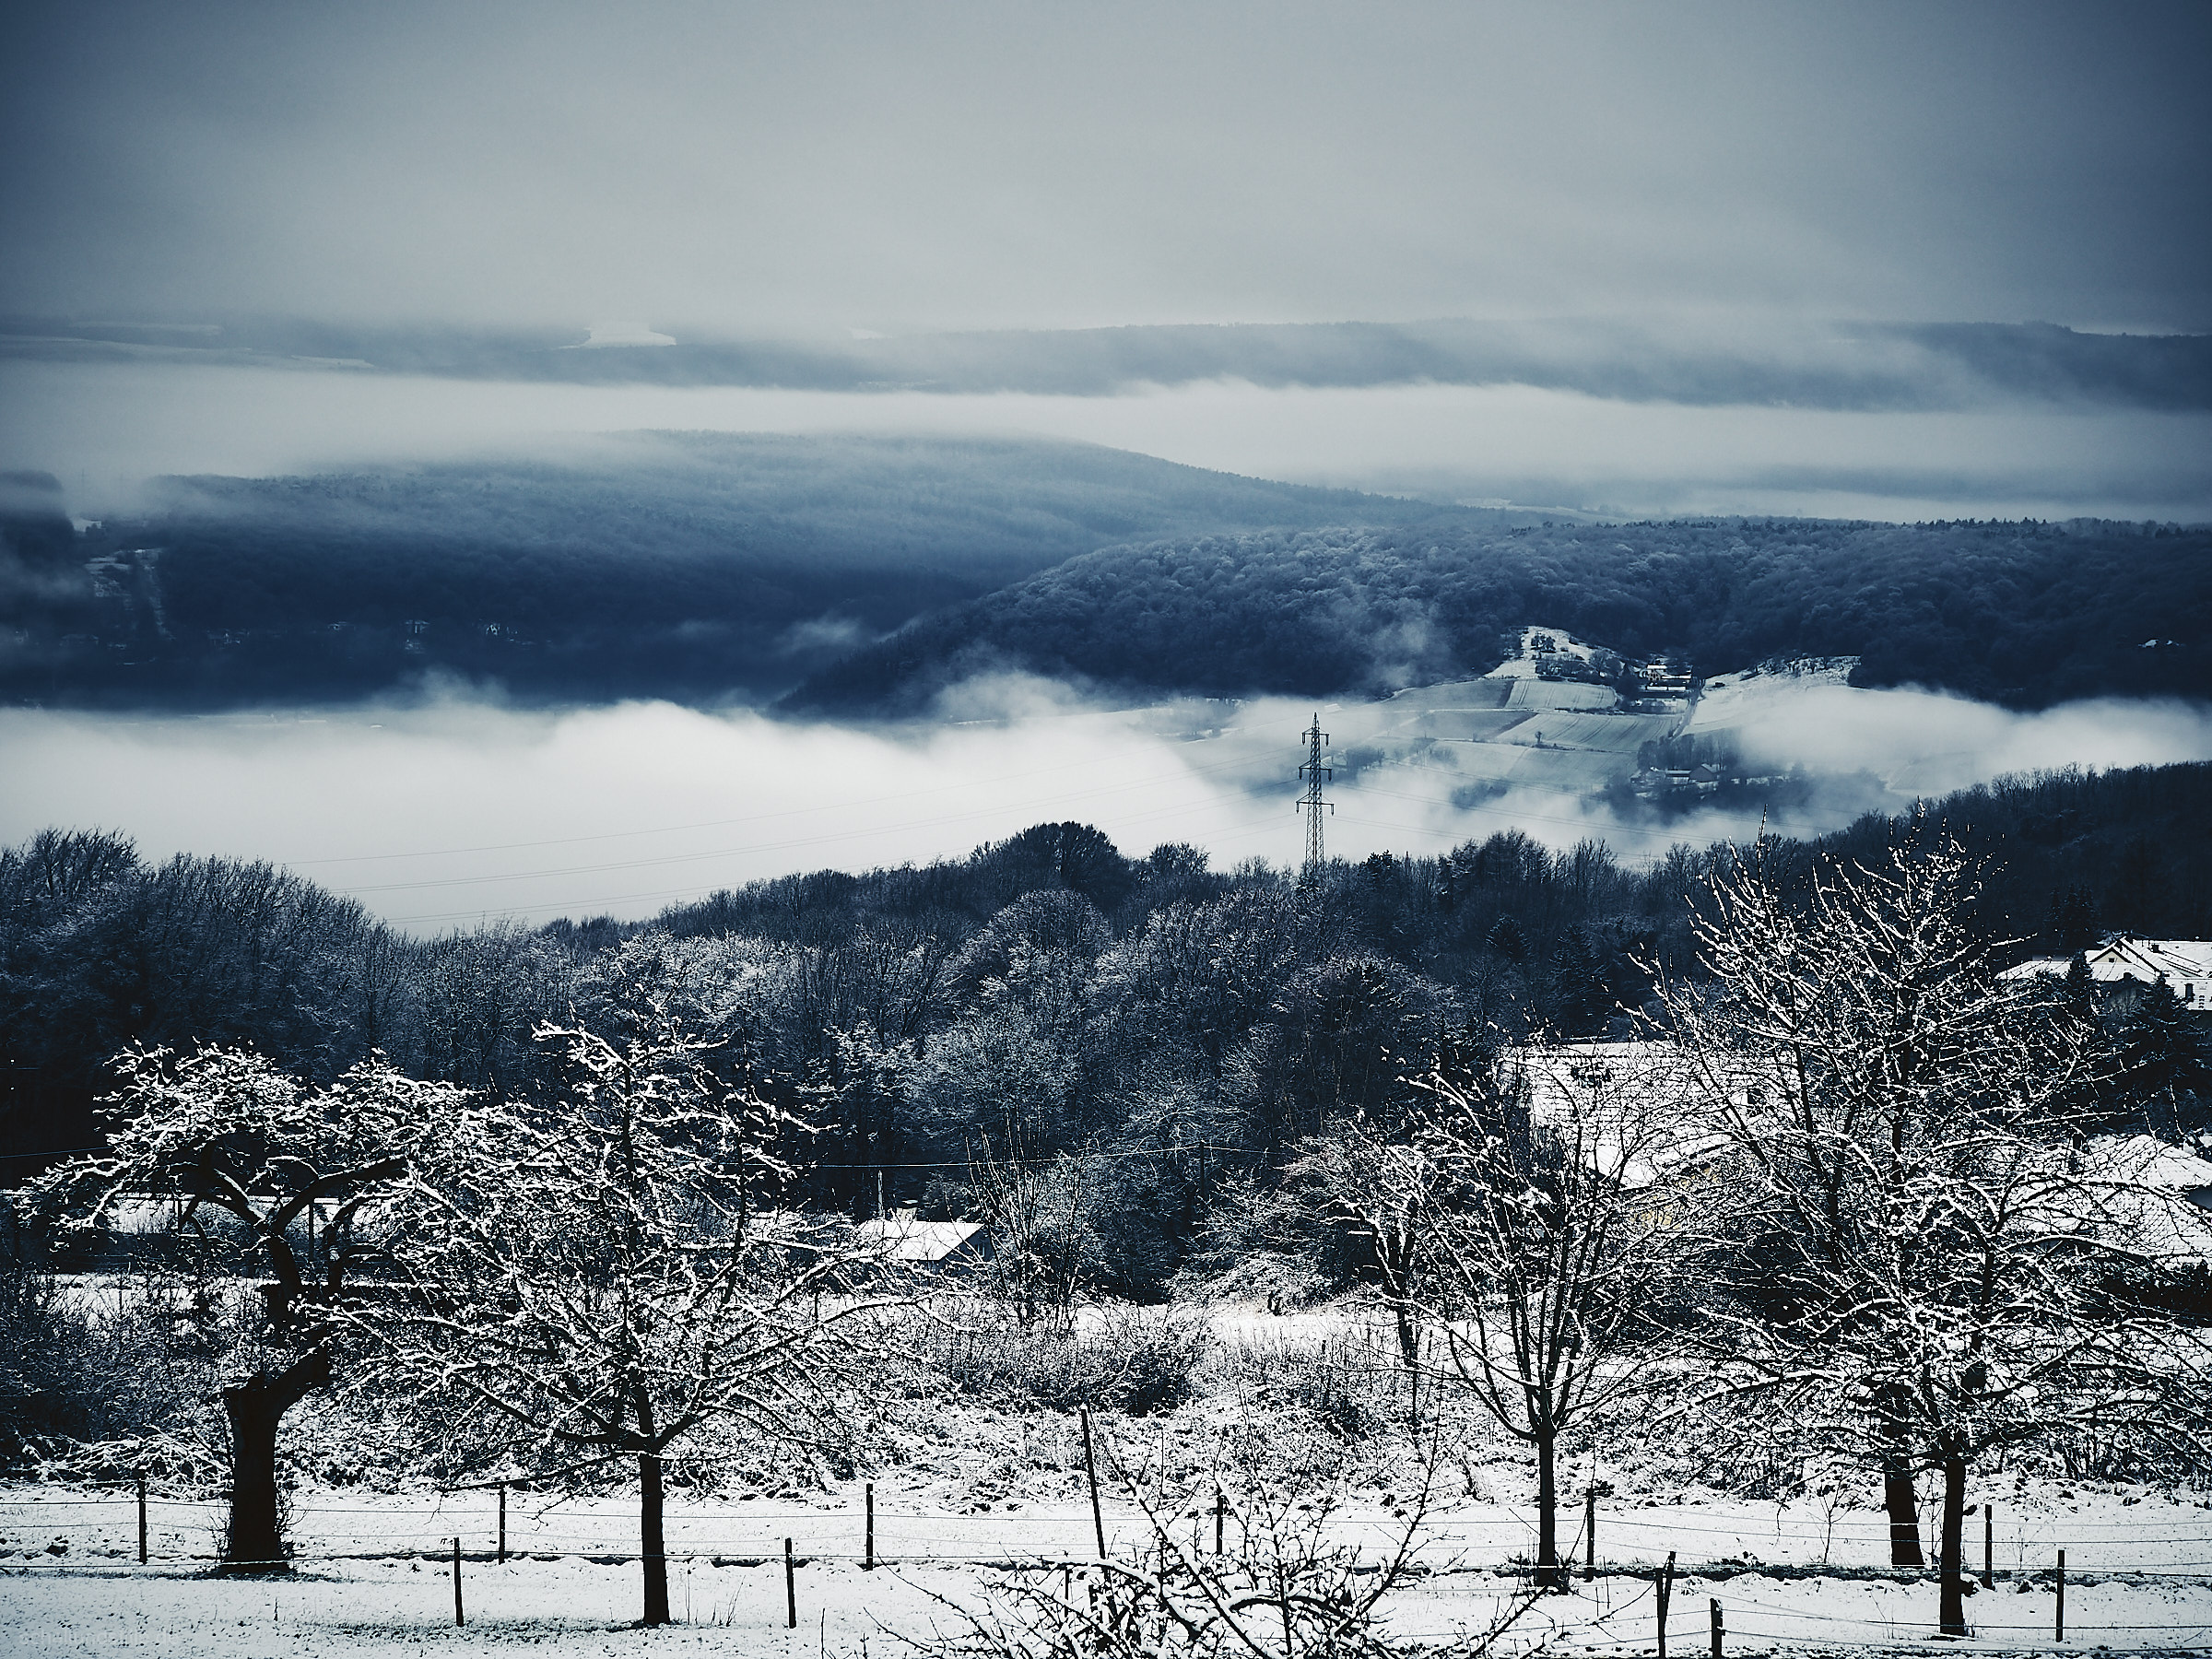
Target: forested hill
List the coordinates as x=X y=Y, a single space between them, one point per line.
x=1108 y=996
x=701 y=567
x=2022 y=614
x=692 y=566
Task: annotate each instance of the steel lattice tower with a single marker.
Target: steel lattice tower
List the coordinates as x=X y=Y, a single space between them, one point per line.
x=1313 y=771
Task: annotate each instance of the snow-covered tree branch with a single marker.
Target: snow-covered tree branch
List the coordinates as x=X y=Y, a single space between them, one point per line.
x=1284 y=1586
x=222 y=1132
x=597 y=1278
x=1545 y=1226
x=1897 y=1156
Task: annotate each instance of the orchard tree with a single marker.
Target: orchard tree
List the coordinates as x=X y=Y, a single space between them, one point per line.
x=1379 y=1191
x=599 y=1277
x=1898 y=1135
x=1547 y=1220
x=1375 y=1176
x=284 y=1171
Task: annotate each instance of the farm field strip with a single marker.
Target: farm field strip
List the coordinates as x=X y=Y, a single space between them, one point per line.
x=398 y=1606
x=1612 y=733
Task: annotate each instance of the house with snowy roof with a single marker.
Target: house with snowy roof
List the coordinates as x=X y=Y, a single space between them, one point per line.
x=1643 y=1112
x=901 y=1239
x=2160 y=1199
x=1639 y=1111
x=2124 y=968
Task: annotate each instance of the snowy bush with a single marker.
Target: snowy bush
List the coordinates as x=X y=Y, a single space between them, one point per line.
x=1274 y=1279
x=1282 y=1587
x=1129 y=1360
x=1340 y=1385
x=102 y=1391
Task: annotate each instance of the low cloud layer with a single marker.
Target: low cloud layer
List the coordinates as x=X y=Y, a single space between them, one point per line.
x=102 y=428
x=1768 y=361
x=441 y=814
x=1926 y=743
x=447 y=812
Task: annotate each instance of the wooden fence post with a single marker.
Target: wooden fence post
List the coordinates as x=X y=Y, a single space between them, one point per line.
x=1090 y=1469
x=1667 y=1596
x=142 y=1517
x=1220 y=1514
x=791 y=1589
x=867 y=1563
x=1719 y=1628
x=458 y=1620
x=503 y=1521
x=1989 y=1548
x=1589 y=1535
x=2061 y=1635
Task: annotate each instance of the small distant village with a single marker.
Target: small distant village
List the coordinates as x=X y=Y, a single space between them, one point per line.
x=1651 y=713
x=2124 y=970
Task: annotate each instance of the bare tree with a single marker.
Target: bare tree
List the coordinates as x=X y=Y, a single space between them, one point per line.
x=598 y=1278
x=1378 y=1175
x=1042 y=1246
x=1545 y=1225
x=1379 y=1191
x=222 y=1133
x=1899 y=1146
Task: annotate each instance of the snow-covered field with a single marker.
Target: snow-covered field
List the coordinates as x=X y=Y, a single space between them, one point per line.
x=374 y=1573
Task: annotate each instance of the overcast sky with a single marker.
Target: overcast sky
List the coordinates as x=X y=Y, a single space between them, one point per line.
x=739 y=167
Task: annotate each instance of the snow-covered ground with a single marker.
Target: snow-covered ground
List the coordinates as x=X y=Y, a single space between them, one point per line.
x=395 y=1608
x=374 y=1574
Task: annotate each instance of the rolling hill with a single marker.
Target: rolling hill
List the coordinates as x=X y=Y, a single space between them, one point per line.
x=699 y=567
x=2021 y=614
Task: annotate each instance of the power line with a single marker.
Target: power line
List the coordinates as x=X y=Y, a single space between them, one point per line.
x=697 y=889
x=673 y=858
x=1314 y=771
x=1512 y=814
x=755 y=818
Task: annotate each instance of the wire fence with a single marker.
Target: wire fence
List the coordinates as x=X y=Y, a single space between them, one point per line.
x=2098 y=1545
x=1613 y=1607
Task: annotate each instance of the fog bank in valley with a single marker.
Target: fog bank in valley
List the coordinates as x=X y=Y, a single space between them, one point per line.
x=451 y=809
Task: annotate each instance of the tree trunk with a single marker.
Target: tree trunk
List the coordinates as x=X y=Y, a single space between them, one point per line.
x=1897 y=1497
x=1410 y=1335
x=1548 y=1576
x=652 y=1548
x=256 y=1407
x=1953 y=1570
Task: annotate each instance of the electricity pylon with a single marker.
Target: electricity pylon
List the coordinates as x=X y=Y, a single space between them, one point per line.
x=1313 y=771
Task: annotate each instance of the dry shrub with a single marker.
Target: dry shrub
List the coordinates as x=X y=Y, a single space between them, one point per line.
x=1135 y=1360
